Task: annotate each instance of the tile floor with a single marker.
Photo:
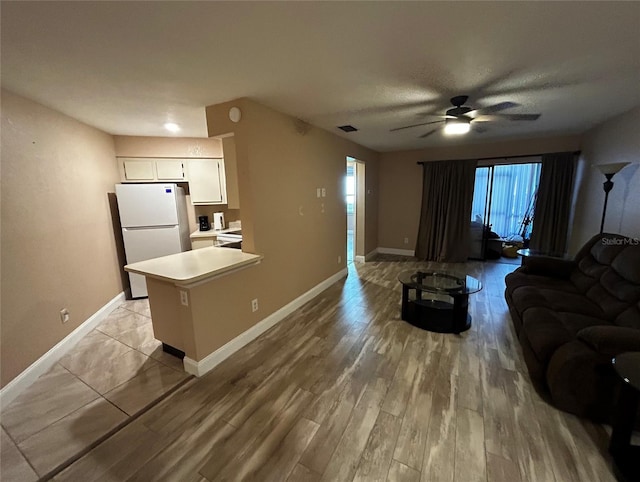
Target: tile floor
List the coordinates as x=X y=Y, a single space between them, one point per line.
x=112 y=374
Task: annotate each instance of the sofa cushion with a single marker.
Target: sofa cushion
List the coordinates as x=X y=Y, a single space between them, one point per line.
x=547 y=330
x=630 y=317
x=613 y=294
x=627 y=264
x=610 y=340
x=521 y=278
x=527 y=297
x=592 y=263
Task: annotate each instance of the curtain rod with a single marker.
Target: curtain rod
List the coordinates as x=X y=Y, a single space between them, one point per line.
x=576 y=153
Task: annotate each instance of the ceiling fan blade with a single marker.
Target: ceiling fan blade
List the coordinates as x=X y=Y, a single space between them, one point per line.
x=512 y=117
x=520 y=117
x=492 y=108
x=429 y=133
x=415 y=125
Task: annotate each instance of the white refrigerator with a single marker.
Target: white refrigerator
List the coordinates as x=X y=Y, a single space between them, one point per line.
x=154 y=223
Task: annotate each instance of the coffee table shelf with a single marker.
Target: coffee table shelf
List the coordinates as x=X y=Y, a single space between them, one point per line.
x=437 y=300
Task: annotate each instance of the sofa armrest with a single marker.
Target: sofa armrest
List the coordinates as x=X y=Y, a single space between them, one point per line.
x=611 y=340
x=545 y=266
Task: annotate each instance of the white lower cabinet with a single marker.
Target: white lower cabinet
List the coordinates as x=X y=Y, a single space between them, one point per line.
x=202 y=243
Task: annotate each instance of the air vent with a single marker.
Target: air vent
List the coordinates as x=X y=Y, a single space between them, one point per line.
x=347 y=128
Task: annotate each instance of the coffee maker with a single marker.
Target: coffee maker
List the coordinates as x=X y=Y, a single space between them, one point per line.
x=204 y=223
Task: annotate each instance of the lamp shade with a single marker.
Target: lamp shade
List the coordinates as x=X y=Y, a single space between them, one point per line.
x=612 y=168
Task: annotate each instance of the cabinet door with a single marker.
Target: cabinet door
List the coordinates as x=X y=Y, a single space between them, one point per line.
x=206 y=183
x=138 y=170
x=170 y=169
x=202 y=243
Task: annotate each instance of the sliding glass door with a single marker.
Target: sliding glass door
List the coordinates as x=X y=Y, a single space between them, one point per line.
x=503 y=201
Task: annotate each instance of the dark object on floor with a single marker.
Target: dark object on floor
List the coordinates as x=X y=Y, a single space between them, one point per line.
x=626 y=456
x=173 y=351
x=572 y=317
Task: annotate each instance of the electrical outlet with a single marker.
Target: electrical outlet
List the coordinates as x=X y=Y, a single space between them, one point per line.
x=184 y=298
x=339 y=259
x=324 y=192
x=406 y=240
x=64 y=315
x=254 y=305
x=322 y=207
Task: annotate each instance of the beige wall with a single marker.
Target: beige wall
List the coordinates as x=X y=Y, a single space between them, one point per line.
x=616 y=140
x=134 y=146
x=58 y=248
x=400 y=181
x=280 y=165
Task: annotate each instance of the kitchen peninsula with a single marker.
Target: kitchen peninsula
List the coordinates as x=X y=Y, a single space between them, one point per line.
x=184 y=290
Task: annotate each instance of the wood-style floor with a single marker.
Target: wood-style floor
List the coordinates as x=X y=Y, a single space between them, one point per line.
x=344 y=390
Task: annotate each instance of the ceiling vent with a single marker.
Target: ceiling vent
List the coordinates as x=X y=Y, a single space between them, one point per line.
x=347 y=128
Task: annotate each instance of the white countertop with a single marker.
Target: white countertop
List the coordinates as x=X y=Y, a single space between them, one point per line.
x=194 y=266
x=211 y=233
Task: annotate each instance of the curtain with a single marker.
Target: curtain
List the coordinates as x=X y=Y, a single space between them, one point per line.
x=447 y=195
x=553 y=205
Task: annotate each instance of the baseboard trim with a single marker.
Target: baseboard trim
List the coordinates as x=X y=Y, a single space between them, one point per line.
x=367 y=257
x=208 y=363
x=16 y=386
x=371 y=255
x=399 y=252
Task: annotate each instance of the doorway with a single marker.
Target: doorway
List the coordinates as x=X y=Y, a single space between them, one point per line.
x=355 y=208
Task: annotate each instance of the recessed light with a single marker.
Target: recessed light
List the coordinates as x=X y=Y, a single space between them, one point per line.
x=171 y=127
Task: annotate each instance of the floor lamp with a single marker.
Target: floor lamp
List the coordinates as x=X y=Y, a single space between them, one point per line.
x=608 y=170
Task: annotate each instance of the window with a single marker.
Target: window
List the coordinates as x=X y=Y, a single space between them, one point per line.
x=504 y=195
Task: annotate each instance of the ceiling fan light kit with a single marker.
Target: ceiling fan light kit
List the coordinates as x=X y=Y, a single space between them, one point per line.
x=458 y=120
x=458 y=126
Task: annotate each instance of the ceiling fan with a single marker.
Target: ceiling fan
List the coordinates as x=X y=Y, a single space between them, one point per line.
x=460 y=118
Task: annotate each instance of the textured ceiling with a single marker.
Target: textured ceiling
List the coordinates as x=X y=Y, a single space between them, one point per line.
x=129 y=67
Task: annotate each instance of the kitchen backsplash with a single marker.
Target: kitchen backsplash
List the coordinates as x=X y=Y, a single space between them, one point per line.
x=229 y=214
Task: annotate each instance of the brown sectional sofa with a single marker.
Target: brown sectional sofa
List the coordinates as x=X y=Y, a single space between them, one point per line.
x=572 y=317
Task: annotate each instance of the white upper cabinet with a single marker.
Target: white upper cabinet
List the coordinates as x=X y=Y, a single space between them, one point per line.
x=207 y=181
x=151 y=170
x=170 y=170
x=206 y=177
x=138 y=169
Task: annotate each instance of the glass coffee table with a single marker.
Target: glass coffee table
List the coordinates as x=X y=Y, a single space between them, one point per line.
x=437 y=300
